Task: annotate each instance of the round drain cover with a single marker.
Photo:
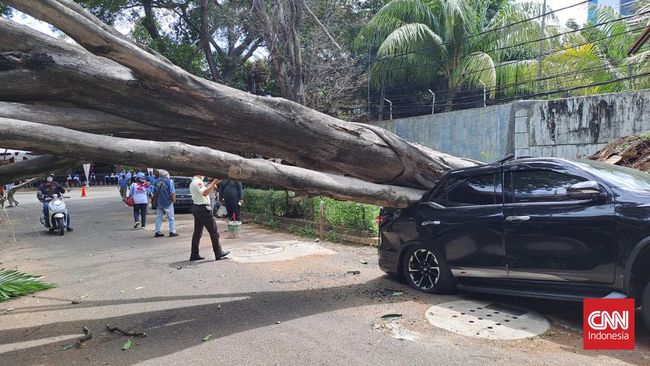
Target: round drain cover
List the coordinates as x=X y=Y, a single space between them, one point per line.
x=258 y=250
x=485 y=319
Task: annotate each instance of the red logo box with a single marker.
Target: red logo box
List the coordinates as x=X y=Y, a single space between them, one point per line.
x=608 y=324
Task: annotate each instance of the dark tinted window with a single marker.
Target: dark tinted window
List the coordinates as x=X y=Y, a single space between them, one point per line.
x=542 y=185
x=438 y=194
x=471 y=191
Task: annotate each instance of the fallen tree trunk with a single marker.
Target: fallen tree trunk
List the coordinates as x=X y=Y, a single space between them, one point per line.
x=148 y=89
x=188 y=159
x=33 y=167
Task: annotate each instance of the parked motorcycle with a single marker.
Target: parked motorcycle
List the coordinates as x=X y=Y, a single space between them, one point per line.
x=58 y=214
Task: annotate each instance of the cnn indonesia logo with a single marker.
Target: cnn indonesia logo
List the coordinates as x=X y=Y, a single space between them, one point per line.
x=608 y=324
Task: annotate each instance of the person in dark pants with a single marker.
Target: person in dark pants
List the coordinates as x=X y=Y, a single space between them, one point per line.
x=231 y=195
x=202 y=213
x=140 y=201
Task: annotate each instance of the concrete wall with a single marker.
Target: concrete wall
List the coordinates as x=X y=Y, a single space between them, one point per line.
x=480 y=133
x=564 y=127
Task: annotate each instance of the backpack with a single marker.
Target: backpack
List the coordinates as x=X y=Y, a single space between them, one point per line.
x=163 y=189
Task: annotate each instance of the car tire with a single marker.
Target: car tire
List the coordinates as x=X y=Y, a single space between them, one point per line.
x=425 y=269
x=645 y=306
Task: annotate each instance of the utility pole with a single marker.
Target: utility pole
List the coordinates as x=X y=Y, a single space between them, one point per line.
x=541 y=49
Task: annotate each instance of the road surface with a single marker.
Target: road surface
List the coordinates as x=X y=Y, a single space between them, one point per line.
x=279 y=300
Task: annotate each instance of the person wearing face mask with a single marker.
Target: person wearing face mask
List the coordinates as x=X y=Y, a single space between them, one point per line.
x=48 y=189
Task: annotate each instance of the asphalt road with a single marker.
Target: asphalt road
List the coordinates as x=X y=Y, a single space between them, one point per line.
x=278 y=301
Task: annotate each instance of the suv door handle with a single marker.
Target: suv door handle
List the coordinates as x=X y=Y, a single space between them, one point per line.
x=517 y=218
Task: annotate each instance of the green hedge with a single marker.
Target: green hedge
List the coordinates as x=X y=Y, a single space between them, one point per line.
x=347 y=215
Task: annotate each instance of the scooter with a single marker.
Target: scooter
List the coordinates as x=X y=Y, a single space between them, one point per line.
x=58 y=214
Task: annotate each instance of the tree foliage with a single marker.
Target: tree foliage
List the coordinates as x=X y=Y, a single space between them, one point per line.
x=14 y=284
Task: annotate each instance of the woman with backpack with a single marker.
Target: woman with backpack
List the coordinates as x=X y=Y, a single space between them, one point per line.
x=138 y=192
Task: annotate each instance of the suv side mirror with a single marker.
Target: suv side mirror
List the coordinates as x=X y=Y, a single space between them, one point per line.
x=588 y=190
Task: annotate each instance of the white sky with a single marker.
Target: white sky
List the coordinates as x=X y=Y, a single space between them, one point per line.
x=579 y=13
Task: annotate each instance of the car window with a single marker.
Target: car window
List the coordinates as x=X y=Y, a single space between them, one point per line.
x=181 y=182
x=438 y=194
x=472 y=191
x=618 y=176
x=542 y=185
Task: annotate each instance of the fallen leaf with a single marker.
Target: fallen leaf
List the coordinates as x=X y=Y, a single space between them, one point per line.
x=127 y=345
x=398 y=293
x=68 y=346
x=207 y=338
x=391 y=316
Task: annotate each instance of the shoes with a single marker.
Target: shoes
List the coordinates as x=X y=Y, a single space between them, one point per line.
x=197 y=258
x=69 y=228
x=171 y=235
x=222 y=255
x=158 y=235
x=137 y=223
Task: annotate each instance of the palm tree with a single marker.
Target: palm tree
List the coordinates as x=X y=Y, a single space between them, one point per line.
x=453 y=44
x=597 y=56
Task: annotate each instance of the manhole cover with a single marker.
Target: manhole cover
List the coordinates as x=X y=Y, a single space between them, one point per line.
x=258 y=250
x=487 y=320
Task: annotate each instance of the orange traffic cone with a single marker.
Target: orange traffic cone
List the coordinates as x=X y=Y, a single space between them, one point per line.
x=83 y=191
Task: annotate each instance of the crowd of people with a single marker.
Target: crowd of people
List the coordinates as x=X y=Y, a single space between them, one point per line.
x=140 y=190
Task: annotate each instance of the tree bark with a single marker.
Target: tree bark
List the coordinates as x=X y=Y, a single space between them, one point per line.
x=204 y=39
x=34 y=67
x=34 y=167
x=188 y=159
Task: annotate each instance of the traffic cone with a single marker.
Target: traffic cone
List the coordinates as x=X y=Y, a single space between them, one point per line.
x=83 y=191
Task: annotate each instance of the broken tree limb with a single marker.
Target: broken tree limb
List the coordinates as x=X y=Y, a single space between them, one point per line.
x=148 y=89
x=188 y=159
x=34 y=167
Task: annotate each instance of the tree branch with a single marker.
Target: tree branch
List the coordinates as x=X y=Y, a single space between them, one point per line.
x=34 y=167
x=190 y=159
x=322 y=26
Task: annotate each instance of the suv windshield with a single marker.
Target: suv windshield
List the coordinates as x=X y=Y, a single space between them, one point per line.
x=616 y=175
x=180 y=182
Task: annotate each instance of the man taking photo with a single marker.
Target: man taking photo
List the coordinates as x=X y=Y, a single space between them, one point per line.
x=202 y=213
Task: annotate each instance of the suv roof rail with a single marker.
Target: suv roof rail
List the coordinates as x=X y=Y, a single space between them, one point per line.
x=505 y=158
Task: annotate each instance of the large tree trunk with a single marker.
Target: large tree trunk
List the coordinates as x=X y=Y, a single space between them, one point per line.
x=33 y=167
x=188 y=159
x=115 y=87
x=40 y=68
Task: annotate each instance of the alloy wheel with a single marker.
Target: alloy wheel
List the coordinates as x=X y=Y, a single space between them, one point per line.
x=424 y=269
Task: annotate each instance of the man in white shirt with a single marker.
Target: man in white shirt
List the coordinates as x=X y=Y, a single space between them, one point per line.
x=202 y=213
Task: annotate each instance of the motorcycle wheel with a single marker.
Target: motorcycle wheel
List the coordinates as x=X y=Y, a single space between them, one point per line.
x=60 y=225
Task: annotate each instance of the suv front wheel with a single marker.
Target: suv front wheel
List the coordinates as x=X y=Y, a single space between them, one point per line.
x=425 y=269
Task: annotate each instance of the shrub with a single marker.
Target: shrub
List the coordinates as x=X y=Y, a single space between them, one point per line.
x=347 y=215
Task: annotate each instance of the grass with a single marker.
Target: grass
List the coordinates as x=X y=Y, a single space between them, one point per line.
x=14 y=284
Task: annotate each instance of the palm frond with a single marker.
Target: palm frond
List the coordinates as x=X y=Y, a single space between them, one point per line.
x=517 y=77
x=394 y=15
x=472 y=70
x=14 y=284
x=411 y=38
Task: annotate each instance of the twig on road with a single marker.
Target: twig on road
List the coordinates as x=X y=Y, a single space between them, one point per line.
x=79 y=342
x=125 y=332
